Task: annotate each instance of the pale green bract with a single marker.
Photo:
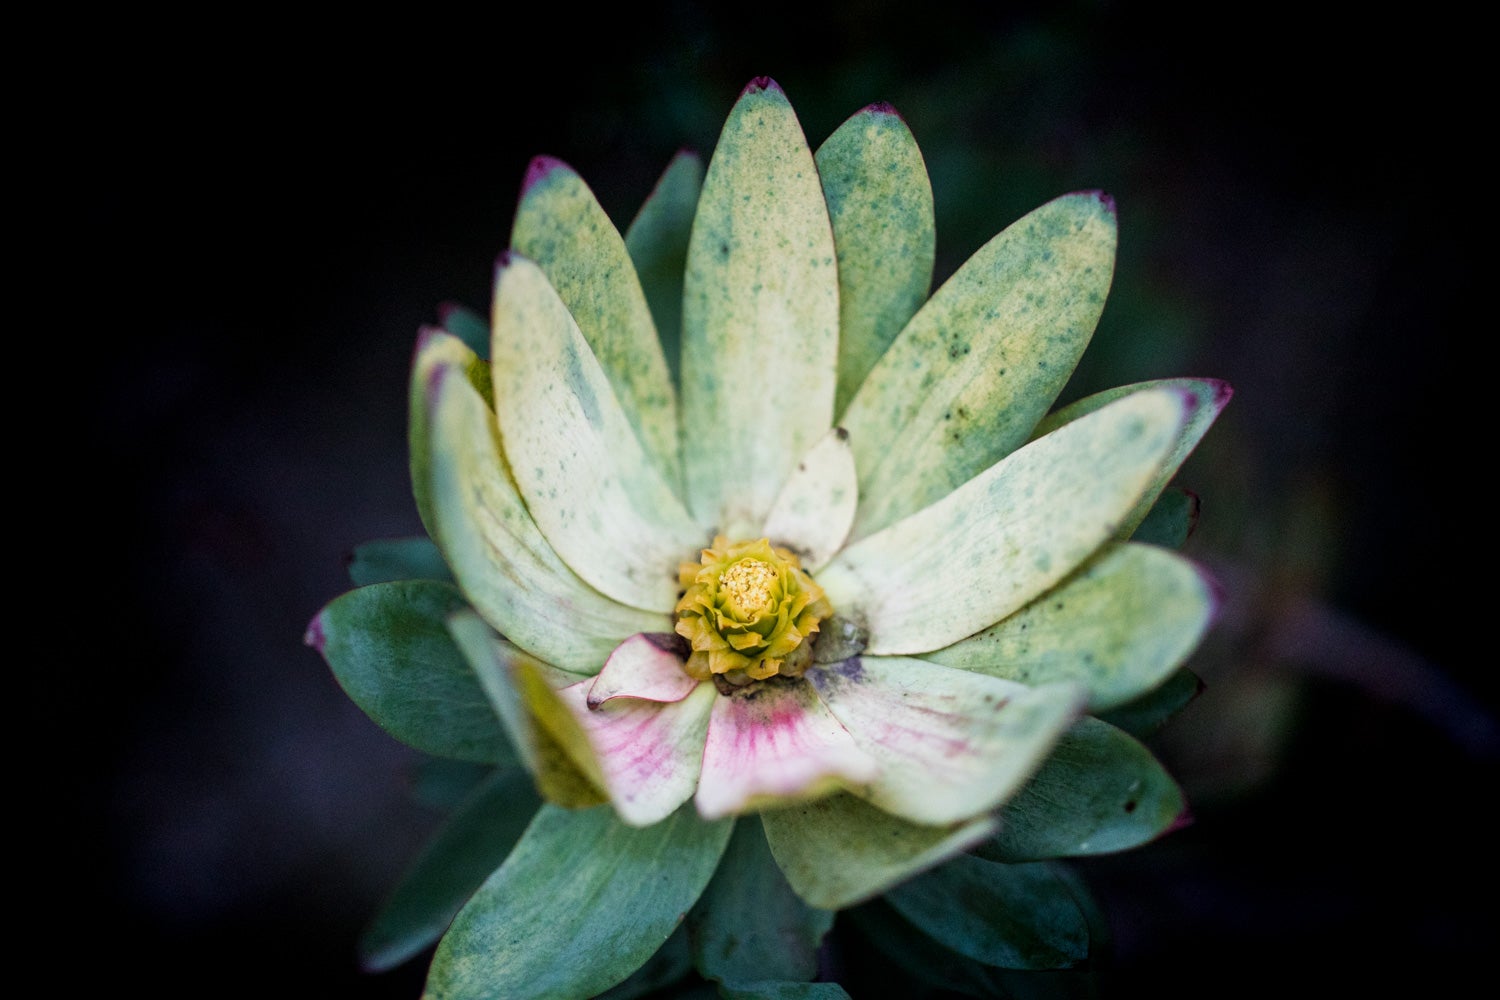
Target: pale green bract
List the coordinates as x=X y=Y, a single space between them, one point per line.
x=976 y=553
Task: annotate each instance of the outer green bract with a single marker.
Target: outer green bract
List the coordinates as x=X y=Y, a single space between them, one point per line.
x=969 y=588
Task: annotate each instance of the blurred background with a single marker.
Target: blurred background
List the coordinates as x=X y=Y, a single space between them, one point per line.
x=273 y=210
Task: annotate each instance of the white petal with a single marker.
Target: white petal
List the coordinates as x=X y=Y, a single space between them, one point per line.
x=950 y=744
x=776 y=744
x=815 y=509
x=587 y=481
x=1008 y=534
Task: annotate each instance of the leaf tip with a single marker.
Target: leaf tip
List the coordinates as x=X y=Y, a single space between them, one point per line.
x=538 y=170
x=316 y=636
x=1182 y=821
x=762 y=84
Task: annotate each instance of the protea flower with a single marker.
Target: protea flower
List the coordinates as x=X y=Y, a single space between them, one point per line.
x=838 y=595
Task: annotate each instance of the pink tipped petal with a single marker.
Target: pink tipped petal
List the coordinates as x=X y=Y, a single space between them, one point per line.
x=777 y=743
x=646 y=666
x=647 y=753
x=950 y=743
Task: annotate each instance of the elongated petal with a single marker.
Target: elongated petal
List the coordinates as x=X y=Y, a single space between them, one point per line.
x=581 y=885
x=388 y=646
x=949 y=743
x=777 y=744
x=465 y=852
x=759 y=316
x=516 y=685
x=502 y=563
x=1119 y=627
x=1007 y=535
x=1207 y=398
x=880 y=203
x=1010 y=916
x=971 y=374
x=561 y=226
x=593 y=492
x=657 y=242
x=749 y=926
x=1100 y=791
x=435 y=349
x=644 y=666
x=839 y=851
x=815 y=508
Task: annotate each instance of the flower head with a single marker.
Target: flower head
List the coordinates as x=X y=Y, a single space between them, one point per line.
x=845 y=571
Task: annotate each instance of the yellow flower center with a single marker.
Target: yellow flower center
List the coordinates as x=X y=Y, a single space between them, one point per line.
x=749 y=611
x=748 y=584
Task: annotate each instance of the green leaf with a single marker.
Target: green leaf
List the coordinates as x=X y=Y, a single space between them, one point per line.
x=388 y=645
x=1101 y=791
x=450 y=868
x=658 y=241
x=1010 y=916
x=1170 y=521
x=1145 y=715
x=672 y=962
x=387 y=559
x=966 y=380
x=581 y=903
x=561 y=226
x=839 y=850
x=442 y=784
x=1006 y=536
x=1119 y=626
x=892 y=936
x=750 y=926
x=468 y=326
x=760 y=316
x=782 y=991
x=880 y=203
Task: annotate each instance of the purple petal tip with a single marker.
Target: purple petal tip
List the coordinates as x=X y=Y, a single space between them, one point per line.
x=315 y=636
x=425 y=336
x=504 y=259
x=538 y=169
x=1223 y=392
x=1106 y=201
x=883 y=108
x=759 y=84
x=1183 y=821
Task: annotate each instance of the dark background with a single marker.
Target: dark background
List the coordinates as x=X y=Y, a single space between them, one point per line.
x=270 y=210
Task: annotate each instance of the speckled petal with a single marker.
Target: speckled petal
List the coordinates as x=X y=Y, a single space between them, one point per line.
x=839 y=851
x=560 y=225
x=777 y=744
x=644 y=666
x=1119 y=626
x=435 y=348
x=657 y=241
x=1207 y=399
x=950 y=743
x=588 y=483
x=502 y=563
x=759 y=316
x=815 y=508
x=1007 y=535
x=880 y=202
x=971 y=374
